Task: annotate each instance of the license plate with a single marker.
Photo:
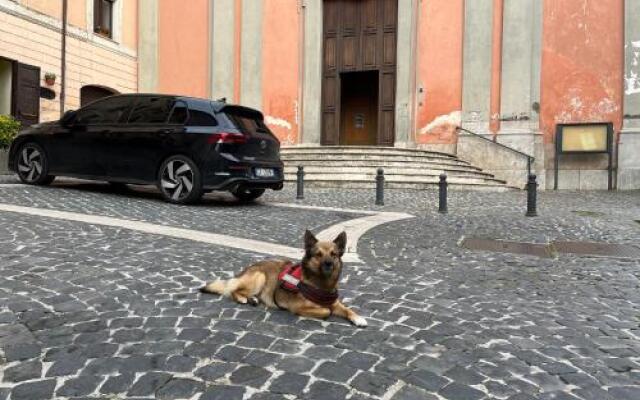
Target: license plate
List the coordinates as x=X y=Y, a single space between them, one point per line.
x=265 y=172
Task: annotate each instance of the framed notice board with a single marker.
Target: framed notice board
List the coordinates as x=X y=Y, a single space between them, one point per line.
x=584 y=138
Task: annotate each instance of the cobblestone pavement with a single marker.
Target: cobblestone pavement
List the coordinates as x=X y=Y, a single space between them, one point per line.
x=100 y=312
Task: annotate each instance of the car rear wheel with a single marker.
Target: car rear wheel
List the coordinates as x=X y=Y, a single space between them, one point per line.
x=179 y=180
x=33 y=166
x=246 y=195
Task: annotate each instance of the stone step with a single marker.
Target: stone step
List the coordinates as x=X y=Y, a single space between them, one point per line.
x=300 y=159
x=400 y=178
x=412 y=170
x=353 y=184
x=356 y=167
x=362 y=150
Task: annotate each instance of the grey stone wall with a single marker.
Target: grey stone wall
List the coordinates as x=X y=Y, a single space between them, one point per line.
x=501 y=162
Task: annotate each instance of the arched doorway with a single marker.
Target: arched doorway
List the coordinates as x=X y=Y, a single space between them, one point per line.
x=91 y=93
x=359 y=72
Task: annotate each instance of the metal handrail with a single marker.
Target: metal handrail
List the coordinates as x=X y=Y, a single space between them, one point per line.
x=530 y=159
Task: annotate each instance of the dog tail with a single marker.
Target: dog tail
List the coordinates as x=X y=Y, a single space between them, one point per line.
x=224 y=288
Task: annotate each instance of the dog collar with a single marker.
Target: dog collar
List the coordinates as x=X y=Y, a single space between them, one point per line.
x=291 y=280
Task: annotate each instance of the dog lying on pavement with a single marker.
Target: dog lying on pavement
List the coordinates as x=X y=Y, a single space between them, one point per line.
x=308 y=289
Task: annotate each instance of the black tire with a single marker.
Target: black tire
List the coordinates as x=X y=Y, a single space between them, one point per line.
x=247 y=195
x=32 y=165
x=179 y=180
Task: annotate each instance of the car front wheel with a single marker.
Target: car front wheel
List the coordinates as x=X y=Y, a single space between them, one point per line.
x=179 y=180
x=246 y=195
x=33 y=165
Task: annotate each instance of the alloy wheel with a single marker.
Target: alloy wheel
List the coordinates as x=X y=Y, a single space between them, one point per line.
x=177 y=179
x=30 y=164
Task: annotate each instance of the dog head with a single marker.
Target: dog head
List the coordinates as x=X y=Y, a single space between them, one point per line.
x=323 y=260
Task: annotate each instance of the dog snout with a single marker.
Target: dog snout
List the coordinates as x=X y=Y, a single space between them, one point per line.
x=327 y=266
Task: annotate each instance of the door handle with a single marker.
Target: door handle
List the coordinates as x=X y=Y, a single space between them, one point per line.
x=165 y=131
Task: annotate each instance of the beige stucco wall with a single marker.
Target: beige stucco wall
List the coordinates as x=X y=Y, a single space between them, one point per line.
x=32 y=38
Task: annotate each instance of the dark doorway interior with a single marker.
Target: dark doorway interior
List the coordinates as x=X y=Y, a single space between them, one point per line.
x=359 y=108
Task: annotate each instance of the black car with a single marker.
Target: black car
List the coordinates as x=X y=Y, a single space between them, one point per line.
x=185 y=146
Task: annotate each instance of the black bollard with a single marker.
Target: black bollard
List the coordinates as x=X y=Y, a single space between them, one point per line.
x=532 y=198
x=300 y=183
x=380 y=187
x=442 y=204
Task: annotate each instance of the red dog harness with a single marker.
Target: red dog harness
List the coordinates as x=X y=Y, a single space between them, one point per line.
x=291 y=280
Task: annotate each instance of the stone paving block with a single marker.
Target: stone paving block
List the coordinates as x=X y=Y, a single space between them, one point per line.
x=250 y=376
x=322 y=390
x=23 y=371
x=223 y=393
x=117 y=384
x=426 y=380
x=80 y=386
x=148 y=383
x=335 y=372
x=455 y=391
x=22 y=351
x=371 y=383
x=34 y=390
x=178 y=388
x=214 y=371
x=289 y=383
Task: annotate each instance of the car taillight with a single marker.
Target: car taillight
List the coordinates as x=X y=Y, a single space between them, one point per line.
x=227 y=138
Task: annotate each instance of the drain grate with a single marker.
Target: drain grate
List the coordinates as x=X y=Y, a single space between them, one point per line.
x=552 y=249
x=501 y=246
x=597 y=249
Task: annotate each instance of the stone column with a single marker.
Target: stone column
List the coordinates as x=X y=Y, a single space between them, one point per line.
x=222 y=49
x=520 y=84
x=251 y=54
x=312 y=72
x=405 y=73
x=476 y=81
x=629 y=146
x=148 y=46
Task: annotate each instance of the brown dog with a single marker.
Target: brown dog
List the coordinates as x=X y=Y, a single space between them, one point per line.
x=309 y=289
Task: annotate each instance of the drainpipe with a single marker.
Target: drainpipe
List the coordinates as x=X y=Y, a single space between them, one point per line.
x=496 y=68
x=63 y=58
x=301 y=49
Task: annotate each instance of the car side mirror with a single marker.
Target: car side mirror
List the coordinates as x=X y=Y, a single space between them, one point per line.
x=69 y=118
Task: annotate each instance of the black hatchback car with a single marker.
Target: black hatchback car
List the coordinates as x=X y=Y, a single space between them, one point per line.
x=185 y=146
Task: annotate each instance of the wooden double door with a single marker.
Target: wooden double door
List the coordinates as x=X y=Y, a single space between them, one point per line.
x=359 y=72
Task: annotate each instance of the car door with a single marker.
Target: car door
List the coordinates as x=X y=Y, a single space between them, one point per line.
x=139 y=149
x=71 y=148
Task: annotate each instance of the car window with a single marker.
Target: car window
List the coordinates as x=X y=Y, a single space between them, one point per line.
x=247 y=122
x=113 y=110
x=151 y=110
x=201 y=114
x=179 y=114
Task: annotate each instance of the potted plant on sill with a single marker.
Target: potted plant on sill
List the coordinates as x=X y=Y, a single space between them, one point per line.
x=50 y=78
x=9 y=128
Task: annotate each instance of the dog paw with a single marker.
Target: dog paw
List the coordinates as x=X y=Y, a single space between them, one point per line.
x=253 y=301
x=359 y=321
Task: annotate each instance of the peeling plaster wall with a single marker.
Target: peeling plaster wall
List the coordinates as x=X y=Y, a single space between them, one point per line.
x=439 y=72
x=582 y=78
x=280 y=61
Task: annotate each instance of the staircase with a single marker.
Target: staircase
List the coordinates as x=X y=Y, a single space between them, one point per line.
x=356 y=167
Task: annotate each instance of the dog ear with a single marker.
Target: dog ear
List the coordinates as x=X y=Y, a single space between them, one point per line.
x=309 y=240
x=341 y=242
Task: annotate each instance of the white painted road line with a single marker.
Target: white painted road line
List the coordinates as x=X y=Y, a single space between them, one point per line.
x=355 y=228
x=250 y=245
